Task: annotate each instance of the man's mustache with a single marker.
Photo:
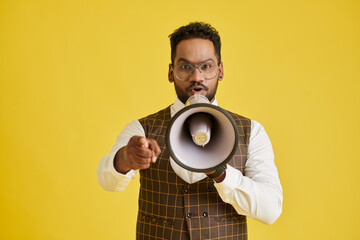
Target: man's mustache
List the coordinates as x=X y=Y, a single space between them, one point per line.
x=197 y=84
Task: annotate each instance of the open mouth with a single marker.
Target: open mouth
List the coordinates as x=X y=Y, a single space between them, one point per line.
x=197 y=89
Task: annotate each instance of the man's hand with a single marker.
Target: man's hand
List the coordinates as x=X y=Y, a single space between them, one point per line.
x=139 y=153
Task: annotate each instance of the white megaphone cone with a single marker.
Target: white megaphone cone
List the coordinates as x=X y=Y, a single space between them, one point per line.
x=201 y=137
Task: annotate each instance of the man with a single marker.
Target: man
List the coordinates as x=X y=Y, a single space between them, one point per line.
x=175 y=203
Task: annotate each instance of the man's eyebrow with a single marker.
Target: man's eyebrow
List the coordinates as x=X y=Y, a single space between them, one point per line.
x=187 y=61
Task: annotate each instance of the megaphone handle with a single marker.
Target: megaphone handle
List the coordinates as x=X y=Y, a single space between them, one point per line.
x=218 y=171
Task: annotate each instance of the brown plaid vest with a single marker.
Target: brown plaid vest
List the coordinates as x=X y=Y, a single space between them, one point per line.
x=170 y=208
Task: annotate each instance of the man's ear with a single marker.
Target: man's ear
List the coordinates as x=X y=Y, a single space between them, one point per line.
x=221 y=72
x=170 y=74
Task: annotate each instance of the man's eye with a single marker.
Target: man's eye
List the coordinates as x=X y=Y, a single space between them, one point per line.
x=206 y=66
x=186 y=67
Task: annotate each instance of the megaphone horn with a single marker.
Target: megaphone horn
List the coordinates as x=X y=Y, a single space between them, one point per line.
x=201 y=137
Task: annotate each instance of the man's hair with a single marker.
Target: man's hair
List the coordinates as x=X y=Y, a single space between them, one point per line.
x=195 y=30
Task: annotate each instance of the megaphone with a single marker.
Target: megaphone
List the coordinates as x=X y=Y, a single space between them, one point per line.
x=201 y=137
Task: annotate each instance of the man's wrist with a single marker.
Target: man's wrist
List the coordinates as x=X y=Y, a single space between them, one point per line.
x=118 y=161
x=221 y=177
x=219 y=174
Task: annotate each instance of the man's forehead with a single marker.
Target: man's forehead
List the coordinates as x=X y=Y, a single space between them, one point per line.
x=195 y=50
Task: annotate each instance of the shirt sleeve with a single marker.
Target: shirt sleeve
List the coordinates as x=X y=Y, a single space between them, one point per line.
x=258 y=194
x=108 y=177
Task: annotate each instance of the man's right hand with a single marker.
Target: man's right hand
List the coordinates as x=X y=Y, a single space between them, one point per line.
x=139 y=153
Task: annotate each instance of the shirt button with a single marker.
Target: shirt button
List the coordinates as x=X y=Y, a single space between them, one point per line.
x=205 y=214
x=186 y=190
x=209 y=189
x=189 y=215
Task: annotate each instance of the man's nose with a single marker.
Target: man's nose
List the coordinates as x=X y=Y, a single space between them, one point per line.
x=196 y=75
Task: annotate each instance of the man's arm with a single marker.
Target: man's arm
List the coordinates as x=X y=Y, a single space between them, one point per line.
x=258 y=194
x=131 y=152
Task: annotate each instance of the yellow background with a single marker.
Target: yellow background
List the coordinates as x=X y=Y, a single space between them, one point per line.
x=74 y=73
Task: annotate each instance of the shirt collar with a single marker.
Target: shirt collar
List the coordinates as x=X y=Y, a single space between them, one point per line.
x=178 y=105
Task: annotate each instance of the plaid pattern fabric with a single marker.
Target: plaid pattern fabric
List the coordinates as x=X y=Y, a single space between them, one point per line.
x=170 y=208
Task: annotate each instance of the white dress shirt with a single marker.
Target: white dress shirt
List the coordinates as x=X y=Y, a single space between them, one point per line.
x=257 y=194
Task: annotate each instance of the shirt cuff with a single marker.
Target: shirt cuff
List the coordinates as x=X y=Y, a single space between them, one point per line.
x=232 y=180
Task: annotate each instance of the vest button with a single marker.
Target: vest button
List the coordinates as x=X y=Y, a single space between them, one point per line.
x=189 y=215
x=205 y=214
x=187 y=190
x=209 y=189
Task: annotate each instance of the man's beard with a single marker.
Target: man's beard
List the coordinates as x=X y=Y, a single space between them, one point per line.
x=183 y=94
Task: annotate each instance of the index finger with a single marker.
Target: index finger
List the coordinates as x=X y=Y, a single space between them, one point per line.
x=139 y=141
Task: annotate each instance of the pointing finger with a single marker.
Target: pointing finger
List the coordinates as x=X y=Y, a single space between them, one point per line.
x=143 y=142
